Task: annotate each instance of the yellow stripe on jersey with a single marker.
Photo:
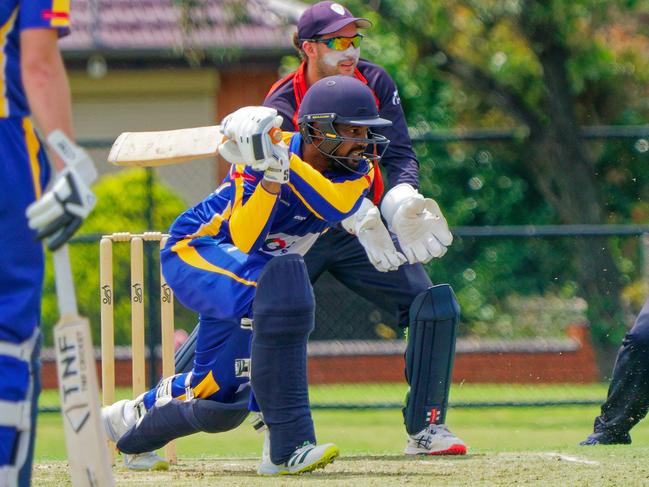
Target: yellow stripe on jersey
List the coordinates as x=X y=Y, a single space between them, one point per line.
x=238 y=185
x=341 y=196
x=61 y=7
x=4 y=32
x=33 y=146
x=213 y=227
x=190 y=255
x=247 y=223
x=204 y=388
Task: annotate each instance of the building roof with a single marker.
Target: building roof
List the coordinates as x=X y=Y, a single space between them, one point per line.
x=153 y=27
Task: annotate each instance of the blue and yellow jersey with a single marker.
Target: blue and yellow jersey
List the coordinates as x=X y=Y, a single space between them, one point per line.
x=15 y=17
x=243 y=213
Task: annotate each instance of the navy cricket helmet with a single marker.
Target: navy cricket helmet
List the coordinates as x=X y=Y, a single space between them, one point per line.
x=341 y=100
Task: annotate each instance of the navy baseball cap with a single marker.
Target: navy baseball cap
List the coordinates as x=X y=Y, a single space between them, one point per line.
x=346 y=97
x=326 y=17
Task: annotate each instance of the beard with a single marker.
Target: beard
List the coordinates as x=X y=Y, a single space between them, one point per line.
x=351 y=159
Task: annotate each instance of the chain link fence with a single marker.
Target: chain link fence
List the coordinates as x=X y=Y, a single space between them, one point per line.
x=524 y=335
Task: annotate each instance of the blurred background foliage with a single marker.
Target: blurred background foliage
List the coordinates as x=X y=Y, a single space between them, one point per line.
x=548 y=67
x=544 y=68
x=120 y=207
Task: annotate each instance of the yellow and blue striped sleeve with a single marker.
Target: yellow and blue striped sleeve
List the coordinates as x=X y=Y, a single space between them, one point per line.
x=329 y=200
x=45 y=14
x=253 y=209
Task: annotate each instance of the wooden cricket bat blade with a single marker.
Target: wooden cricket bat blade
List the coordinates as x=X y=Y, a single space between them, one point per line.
x=152 y=149
x=85 y=438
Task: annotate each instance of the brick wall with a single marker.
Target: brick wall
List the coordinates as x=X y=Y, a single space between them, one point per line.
x=572 y=364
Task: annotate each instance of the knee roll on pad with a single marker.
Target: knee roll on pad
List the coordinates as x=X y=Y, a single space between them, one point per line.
x=434 y=316
x=170 y=419
x=284 y=316
x=284 y=303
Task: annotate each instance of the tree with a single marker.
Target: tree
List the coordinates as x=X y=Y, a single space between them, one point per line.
x=550 y=65
x=120 y=207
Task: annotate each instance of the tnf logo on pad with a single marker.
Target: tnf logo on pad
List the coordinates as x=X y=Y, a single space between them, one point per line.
x=432 y=416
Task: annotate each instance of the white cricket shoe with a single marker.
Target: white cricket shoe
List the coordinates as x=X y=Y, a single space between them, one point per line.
x=435 y=439
x=145 y=461
x=304 y=459
x=114 y=420
x=116 y=423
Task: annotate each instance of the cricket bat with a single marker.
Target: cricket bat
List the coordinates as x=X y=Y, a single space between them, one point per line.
x=152 y=149
x=85 y=439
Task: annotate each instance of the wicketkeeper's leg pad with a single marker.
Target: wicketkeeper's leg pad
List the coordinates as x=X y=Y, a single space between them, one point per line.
x=284 y=316
x=169 y=419
x=434 y=316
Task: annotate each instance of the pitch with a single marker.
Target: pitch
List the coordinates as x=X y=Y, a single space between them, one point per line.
x=507 y=446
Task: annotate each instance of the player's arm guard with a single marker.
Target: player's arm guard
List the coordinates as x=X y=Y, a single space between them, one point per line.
x=368 y=227
x=434 y=316
x=418 y=223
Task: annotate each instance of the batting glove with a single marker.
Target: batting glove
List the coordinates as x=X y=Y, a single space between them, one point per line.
x=418 y=222
x=368 y=227
x=249 y=128
x=61 y=210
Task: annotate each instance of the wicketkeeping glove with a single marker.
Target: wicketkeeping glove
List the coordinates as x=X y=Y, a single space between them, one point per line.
x=368 y=227
x=418 y=223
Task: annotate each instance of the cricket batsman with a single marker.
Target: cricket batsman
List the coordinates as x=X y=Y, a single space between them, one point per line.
x=236 y=259
x=328 y=41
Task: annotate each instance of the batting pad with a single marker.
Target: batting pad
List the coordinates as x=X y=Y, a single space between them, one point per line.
x=434 y=316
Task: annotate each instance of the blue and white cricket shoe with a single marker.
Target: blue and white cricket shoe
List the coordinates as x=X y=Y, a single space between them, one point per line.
x=304 y=459
x=435 y=439
x=116 y=424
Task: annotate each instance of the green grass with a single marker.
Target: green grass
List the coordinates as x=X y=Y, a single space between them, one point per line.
x=394 y=393
x=507 y=446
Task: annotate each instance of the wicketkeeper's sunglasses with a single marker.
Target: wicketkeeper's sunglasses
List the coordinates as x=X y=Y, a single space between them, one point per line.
x=340 y=43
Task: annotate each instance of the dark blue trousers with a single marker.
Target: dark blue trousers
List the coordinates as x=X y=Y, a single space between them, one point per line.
x=344 y=257
x=628 y=394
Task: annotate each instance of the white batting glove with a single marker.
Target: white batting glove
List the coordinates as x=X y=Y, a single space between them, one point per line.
x=249 y=128
x=278 y=170
x=60 y=212
x=368 y=227
x=418 y=223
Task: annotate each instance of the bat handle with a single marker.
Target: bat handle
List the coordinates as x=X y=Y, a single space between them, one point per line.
x=275 y=135
x=64 y=284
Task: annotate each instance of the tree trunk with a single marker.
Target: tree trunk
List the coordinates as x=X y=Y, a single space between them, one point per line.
x=566 y=177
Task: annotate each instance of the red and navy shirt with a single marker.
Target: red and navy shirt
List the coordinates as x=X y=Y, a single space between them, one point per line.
x=15 y=17
x=399 y=159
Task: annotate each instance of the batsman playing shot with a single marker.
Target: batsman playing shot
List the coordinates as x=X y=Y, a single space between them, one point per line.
x=328 y=42
x=235 y=258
